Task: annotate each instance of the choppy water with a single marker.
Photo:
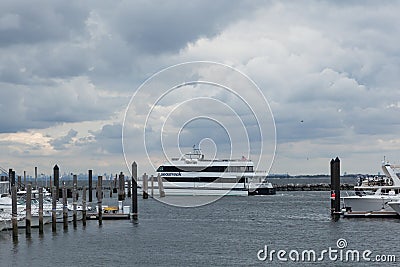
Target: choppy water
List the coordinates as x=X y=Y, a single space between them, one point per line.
x=228 y=232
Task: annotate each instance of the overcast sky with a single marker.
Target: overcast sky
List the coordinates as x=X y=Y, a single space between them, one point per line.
x=328 y=69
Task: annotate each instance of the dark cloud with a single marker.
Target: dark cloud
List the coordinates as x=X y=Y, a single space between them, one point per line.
x=109 y=138
x=50 y=44
x=45 y=21
x=156 y=26
x=23 y=107
x=63 y=142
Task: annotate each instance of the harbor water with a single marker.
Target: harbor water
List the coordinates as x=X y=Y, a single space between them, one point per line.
x=228 y=232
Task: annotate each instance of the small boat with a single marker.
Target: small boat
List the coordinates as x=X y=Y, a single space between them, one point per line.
x=261 y=188
x=111 y=213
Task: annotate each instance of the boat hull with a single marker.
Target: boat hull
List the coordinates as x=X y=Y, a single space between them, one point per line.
x=262 y=191
x=210 y=189
x=369 y=204
x=79 y=216
x=395 y=206
x=34 y=221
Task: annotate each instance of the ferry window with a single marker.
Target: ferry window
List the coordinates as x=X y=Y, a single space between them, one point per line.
x=172 y=169
x=249 y=169
x=160 y=169
x=215 y=169
x=240 y=169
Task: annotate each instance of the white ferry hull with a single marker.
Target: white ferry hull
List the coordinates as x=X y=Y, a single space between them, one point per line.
x=198 y=189
x=209 y=189
x=203 y=192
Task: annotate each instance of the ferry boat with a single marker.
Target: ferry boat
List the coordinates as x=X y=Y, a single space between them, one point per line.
x=193 y=174
x=375 y=196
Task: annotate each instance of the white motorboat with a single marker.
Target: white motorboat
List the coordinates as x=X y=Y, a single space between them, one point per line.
x=6 y=204
x=5 y=221
x=371 y=198
x=194 y=175
x=34 y=220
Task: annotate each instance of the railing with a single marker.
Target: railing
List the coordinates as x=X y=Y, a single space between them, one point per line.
x=3 y=171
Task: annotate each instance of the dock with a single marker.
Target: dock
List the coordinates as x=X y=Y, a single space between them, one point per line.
x=108 y=216
x=111 y=213
x=371 y=214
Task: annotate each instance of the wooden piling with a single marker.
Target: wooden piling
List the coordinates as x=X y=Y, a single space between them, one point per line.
x=65 y=206
x=337 y=185
x=14 y=215
x=24 y=187
x=12 y=178
x=19 y=182
x=74 y=199
x=335 y=188
x=28 y=216
x=9 y=180
x=56 y=176
x=54 y=209
x=145 y=186
x=129 y=188
x=90 y=186
x=40 y=210
x=121 y=187
x=111 y=188
x=35 y=184
x=160 y=186
x=84 y=206
x=332 y=165
x=152 y=185
x=115 y=189
x=99 y=199
x=134 y=209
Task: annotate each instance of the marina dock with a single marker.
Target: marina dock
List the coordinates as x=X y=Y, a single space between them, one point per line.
x=110 y=216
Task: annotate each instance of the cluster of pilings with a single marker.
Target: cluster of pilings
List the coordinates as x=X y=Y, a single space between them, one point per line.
x=145 y=186
x=57 y=193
